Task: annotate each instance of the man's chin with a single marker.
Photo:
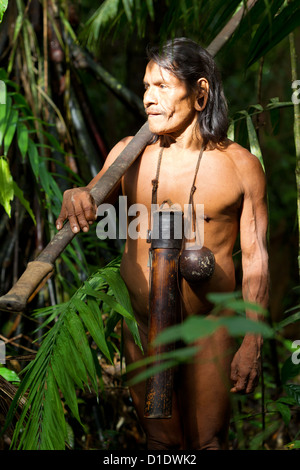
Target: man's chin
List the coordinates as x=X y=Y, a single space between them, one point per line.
x=156 y=129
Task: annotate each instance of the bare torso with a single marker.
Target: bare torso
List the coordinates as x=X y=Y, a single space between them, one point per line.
x=218 y=188
x=231 y=186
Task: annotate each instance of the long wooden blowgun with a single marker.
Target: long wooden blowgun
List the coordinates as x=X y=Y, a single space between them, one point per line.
x=164 y=305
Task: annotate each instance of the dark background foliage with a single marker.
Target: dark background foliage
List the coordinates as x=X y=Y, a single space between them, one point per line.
x=74 y=74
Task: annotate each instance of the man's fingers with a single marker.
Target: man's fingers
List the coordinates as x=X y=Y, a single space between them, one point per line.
x=244 y=384
x=60 y=220
x=75 y=227
x=80 y=208
x=90 y=212
x=239 y=381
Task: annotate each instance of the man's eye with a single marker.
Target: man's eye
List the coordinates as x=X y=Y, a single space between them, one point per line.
x=162 y=85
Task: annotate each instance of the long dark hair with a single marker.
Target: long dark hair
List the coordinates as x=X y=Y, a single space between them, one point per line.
x=188 y=62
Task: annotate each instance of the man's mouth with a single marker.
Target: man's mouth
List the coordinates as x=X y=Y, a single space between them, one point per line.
x=152 y=113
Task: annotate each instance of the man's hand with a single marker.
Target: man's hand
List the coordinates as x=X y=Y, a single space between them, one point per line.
x=79 y=207
x=246 y=365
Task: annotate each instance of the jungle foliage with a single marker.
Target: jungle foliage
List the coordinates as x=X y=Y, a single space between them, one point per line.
x=71 y=86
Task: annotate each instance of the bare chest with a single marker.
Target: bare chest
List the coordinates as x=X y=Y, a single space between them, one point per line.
x=216 y=185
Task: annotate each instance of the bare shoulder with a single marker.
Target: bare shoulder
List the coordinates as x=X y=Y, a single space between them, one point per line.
x=116 y=150
x=248 y=167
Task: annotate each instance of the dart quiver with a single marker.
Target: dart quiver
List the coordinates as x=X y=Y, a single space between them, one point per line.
x=164 y=304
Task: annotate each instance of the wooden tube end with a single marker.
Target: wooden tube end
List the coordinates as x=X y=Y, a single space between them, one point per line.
x=34 y=277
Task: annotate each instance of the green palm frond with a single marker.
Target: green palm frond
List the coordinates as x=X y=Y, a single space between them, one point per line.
x=65 y=363
x=112 y=15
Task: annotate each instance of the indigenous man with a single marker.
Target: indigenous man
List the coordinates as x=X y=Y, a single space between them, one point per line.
x=187 y=112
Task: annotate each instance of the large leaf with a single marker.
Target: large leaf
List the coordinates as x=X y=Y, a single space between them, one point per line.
x=196 y=327
x=10 y=129
x=6 y=185
x=4 y=116
x=8 y=374
x=3 y=7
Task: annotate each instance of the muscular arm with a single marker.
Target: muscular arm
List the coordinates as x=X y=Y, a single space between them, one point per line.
x=79 y=206
x=246 y=365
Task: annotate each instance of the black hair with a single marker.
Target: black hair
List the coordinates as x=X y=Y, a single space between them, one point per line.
x=188 y=61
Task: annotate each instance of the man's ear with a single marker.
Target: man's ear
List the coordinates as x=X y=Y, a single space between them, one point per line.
x=202 y=94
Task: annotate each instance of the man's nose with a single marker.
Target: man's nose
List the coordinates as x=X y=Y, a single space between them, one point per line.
x=150 y=97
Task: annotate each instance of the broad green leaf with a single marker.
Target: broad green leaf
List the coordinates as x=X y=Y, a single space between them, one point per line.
x=188 y=331
x=3 y=7
x=19 y=193
x=230 y=133
x=10 y=129
x=4 y=117
x=6 y=186
x=195 y=327
x=221 y=298
x=293 y=445
x=238 y=325
x=22 y=137
x=9 y=375
x=253 y=141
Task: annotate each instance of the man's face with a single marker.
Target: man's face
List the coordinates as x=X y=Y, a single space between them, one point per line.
x=169 y=106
